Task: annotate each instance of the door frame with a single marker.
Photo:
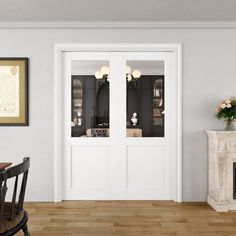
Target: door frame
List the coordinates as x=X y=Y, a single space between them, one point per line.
x=59 y=49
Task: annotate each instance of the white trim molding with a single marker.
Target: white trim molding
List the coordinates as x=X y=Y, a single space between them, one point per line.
x=118 y=25
x=58 y=102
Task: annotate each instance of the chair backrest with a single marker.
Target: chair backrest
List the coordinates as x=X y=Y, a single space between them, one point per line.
x=14 y=172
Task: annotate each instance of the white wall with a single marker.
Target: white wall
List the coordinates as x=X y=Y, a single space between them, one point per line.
x=209 y=74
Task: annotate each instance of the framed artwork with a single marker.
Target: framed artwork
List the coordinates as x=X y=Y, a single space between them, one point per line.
x=14 y=92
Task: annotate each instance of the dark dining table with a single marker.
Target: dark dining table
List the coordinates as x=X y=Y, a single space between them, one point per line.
x=4 y=165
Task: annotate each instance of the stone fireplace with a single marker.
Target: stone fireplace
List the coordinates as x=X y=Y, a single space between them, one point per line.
x=234 y=180
x=222 y=170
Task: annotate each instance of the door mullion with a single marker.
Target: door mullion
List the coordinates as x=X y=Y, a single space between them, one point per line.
x=117 y=170
x=114 y=123
x=121 y=131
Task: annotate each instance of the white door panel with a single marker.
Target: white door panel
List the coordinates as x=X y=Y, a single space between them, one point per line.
x=146 y=173
x=145 y=167
x=90 y=167
x=89 y=172
x=118 y=167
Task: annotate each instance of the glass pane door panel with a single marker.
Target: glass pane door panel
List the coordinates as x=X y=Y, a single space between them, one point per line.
x=90 y=99
x=145 y=103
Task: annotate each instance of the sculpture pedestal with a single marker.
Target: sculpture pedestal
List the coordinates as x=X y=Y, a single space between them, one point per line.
x=221 y=156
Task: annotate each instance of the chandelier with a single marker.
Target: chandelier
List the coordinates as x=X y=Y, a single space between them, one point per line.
x=104 y=73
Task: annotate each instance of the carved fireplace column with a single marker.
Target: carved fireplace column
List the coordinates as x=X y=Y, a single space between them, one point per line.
x=221 y=156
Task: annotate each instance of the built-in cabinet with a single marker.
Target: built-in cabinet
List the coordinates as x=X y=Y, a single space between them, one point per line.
x=90 y=105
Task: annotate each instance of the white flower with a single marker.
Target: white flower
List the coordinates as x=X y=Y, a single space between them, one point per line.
x=223 y=106
x=228 y=105
x=227 y=101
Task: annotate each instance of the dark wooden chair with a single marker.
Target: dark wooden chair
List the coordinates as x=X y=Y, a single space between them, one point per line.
x=13 y=217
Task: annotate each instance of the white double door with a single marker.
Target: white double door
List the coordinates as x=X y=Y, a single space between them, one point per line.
x=120 y=167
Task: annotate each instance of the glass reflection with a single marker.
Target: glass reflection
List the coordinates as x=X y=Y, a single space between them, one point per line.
x=90 y=100
x=145 y=100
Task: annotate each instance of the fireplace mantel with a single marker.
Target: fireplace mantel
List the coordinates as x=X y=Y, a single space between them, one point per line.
x=221 y=156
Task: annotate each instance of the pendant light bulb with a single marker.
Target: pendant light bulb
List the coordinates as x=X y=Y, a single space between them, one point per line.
x=98 y=74
x=105 y=70
x=136 y=74
x=128 y=70
x=129 y=77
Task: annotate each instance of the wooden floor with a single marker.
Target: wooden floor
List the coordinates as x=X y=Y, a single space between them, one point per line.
x=128 y=218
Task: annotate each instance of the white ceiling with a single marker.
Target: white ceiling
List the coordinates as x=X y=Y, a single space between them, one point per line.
x=117 y=10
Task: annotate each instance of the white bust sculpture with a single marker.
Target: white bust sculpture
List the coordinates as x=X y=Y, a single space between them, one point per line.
x=134 y=119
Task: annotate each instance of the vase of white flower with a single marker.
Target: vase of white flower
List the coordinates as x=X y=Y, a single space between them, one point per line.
x=226 y=110
x=229 y=124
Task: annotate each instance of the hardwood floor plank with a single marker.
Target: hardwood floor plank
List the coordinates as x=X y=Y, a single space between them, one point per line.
x=128 y=218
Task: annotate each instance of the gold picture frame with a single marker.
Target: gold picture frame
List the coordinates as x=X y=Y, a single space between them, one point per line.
x=14 y=92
